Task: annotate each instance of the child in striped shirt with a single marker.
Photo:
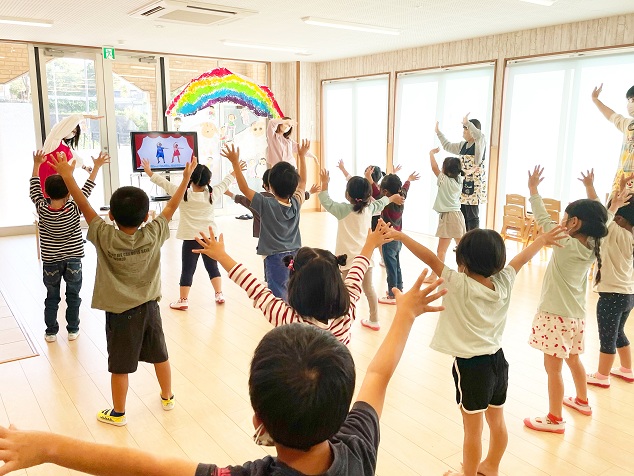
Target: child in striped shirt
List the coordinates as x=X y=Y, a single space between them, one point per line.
x=61 y=243
x=311 y=270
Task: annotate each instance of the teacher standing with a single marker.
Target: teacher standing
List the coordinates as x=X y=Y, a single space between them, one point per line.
x=280 y=146
x=471 y=153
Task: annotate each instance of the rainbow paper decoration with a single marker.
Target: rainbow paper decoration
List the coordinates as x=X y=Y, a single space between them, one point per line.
x=221 y=85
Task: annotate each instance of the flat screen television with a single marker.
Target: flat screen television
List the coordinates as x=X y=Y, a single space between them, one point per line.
x=165 y=150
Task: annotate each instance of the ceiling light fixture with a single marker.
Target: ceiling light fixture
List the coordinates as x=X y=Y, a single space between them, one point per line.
x=350 y=26
x=546 y=3
x=292 y=49
x=26 y=21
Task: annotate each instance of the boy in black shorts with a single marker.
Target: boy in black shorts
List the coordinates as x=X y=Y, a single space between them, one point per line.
x=301 y=384
x=128 y=284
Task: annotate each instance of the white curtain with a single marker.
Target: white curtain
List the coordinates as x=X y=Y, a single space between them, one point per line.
x=549 y=119
x=421 y=100
x=355 y=128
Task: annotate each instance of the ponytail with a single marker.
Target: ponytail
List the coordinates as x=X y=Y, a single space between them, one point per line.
x=211 y=194
x=597 y=253
x=359 y=191
x=187 y=188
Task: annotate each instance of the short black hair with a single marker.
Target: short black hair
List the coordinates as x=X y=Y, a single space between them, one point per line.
x=627 y=213
x=377 y=173
x=283 y=179
x=476 y=123
x=392 y=184
x=129 y=206
x=301 y=384
x=265 y=178
x=482 y=252
x=55 y=187
x=630 y=93
x=360 y=191
x=452 y=167
x=315 y=286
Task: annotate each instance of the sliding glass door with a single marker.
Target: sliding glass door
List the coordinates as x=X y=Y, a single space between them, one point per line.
x=422 y=99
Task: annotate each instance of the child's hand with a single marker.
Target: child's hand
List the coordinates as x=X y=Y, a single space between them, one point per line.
x=391 y=233
x=369 y=170
x=189 y=168
x=465 y=119
x=413 y=177
x=596 y=92
x=62 y=166
x=588 y=178
x=147 y=168
x=621 y=199
x=434 y=151
x=341 y=166
x=243 y=167
x=437 y=128
x=39 y=158
x=232 y=154
x=535 y=178
x=397 y=198
x=416 y=301
x=623 y=181
x=304 y=148
x=378 y=236
x=101 y=160
x=22 y=449
x=212 y=248
x=553 y=237
x=314 y=189
x=324 y=175
x=397 y=168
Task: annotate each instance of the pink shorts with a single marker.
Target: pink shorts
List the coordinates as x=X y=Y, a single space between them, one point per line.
x=556 y=335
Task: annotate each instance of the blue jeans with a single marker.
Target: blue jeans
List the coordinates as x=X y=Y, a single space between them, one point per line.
x=70 y=270
x=391 y=258
x=276 y=274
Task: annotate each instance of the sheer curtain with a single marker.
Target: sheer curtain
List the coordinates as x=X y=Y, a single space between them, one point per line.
x=421 y=100
x=355 y=127
x=549 y=119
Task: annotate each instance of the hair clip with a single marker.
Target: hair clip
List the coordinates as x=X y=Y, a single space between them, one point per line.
x=290 y=265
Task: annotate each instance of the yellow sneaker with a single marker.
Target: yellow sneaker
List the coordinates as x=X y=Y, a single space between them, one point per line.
x=169 y=403
x=104 y=417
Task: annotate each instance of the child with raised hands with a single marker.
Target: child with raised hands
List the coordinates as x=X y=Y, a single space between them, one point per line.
x=279 y=226
x=470 y=329
x=301 y=385
x=559 y=324
x=128 y=284
x=197 y=212
x=317 y=293
x=61 y=243
x=616 y=291
x=355 y=217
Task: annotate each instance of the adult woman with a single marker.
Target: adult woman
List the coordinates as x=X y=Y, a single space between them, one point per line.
x=281 y=146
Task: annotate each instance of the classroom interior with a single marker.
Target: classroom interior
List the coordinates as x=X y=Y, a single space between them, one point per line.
x=368 y=97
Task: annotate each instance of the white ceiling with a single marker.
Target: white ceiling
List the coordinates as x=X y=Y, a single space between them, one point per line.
x=424 y=22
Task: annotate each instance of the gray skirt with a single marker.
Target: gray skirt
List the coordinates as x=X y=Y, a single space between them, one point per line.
x=451 y=225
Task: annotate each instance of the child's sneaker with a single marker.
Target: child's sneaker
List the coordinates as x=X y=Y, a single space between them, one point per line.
x=220 y=299
x=375 y=326
x=73 y=335
x=180 y=305
x=545 y=424
x=104 y=416
x=387 y=300
x=627 y=376
x=578 y=405
x=50 y=337
x=168 y=404
x=592 y=379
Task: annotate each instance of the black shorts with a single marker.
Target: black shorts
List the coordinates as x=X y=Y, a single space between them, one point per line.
x=481 y=382
x=135 y=335
x=375 y=221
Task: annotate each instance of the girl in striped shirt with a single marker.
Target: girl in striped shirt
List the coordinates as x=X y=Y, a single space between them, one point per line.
x=311 y=270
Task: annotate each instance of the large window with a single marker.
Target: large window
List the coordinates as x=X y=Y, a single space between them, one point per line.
x=550 y=119
x=421 y=100
x=355 y=127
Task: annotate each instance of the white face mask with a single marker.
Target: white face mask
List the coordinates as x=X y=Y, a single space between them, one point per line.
x=262 y=437
x=630 y=108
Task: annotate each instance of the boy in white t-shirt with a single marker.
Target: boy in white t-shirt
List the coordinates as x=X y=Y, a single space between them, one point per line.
x=470 y=329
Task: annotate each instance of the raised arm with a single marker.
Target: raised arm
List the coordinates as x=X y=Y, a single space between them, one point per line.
x=35 y=187
x=233 y=155
x=301 y=164
x=408 y=306
x=172 y=205
x=451 y=147
x=339 y=210
x=97 y=163
x=65 y=170
x=542 y=217
x=544 y=239
x=605 y=110
x=342 y=167
x=475 y=132
x=423 y=253
x=587 y=180
x=619 y=200
x=432 y=160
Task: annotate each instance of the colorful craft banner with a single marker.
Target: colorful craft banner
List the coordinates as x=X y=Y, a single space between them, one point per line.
x=221 y=85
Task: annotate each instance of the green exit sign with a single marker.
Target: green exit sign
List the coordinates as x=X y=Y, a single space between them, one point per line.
x=108 y=53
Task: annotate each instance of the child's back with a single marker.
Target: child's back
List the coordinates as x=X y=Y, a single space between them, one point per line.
x=617 y=271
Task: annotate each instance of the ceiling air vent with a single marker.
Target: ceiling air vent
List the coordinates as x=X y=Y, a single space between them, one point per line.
x=190 y=13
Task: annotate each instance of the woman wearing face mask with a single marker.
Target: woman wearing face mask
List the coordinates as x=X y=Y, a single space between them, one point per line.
x=626 y=126
x=63 y=137
x=281 y=146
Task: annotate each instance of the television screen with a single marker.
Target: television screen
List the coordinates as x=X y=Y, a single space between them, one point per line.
x=164 y=150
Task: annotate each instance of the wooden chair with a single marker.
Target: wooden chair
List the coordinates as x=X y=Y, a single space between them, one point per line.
x=552 y=204
x=514 y=228
x=514 y=199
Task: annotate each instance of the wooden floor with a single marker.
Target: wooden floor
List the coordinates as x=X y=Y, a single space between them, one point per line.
x=210 y=347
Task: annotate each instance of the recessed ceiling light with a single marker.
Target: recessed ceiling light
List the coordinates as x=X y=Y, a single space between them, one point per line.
x=292 y=49
x=351 y=26
x=26 y=21
x=546 y=3
x=143 y=67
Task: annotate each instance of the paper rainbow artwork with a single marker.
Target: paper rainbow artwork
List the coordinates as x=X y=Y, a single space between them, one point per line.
x=221 y=85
